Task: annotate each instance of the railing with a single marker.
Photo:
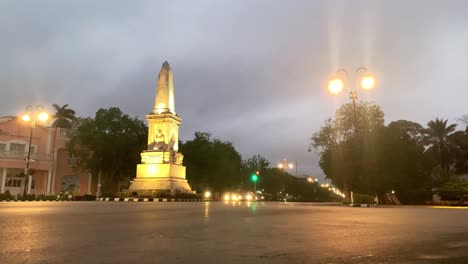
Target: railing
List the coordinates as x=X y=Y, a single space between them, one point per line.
x=23 y=155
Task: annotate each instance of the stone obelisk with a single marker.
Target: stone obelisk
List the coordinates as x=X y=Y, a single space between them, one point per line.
x=161 y=168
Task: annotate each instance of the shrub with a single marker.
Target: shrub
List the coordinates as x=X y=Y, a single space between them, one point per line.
x=188 y=196
x=6 y=196
x=124 y=194
x=89 y=197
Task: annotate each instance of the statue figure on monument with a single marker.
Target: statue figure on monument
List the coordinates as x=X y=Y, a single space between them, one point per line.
x=159 y=141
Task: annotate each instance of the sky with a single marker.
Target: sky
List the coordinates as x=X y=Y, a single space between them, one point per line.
x=250 y=72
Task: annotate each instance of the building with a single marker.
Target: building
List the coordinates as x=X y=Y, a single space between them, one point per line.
x=53 y=169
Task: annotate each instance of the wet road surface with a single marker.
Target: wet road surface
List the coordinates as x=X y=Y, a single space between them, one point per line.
x=113 y=232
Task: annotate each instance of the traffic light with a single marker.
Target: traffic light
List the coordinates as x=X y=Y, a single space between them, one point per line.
x=254 y=177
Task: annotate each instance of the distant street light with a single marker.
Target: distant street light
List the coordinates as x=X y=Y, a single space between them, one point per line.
x=362 y=80
x=32 y=116
x=310 y=179
x=286 y=164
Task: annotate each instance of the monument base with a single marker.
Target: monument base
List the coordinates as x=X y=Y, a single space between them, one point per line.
x=160 y=177
x=172 y=185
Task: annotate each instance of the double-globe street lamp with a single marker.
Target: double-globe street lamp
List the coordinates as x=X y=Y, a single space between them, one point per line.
x=362 y=81
x=32 y=116
x=285 y=164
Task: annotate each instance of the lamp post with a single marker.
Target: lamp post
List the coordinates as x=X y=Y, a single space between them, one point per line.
x=32 y=116
x=362 y=80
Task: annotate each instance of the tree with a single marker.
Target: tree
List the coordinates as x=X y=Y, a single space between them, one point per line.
x=211 y=163
x=403 y=167
x=63 y=118
x=459 y=139
x=109 y=145
x=437 y=139
x=254 y=164
x=347 y=145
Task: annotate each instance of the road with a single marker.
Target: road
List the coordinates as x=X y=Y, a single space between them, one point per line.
x=113 y=232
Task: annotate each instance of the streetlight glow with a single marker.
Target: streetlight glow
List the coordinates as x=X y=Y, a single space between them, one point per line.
x=26 y=118
x=368 y=82
x=280 y=165
x=335 y=86
x=43 y=116
x=207 y=194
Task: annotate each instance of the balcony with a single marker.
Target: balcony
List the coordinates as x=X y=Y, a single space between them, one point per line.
x=23 y=155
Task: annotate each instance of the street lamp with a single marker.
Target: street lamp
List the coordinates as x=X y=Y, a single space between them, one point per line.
x=285 y=164
x=362 y=80
x=32 y=116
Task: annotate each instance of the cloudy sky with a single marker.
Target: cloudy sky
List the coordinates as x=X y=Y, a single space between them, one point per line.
x=251 y=72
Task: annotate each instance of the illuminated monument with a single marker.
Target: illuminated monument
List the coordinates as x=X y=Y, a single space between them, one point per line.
x=161 y=168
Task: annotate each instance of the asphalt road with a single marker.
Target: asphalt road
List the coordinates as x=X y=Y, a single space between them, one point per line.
x=113 y=232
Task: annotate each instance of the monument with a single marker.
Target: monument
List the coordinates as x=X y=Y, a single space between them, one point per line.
x=161 y=168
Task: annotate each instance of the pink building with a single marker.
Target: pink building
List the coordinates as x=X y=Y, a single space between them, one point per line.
x=53 y=169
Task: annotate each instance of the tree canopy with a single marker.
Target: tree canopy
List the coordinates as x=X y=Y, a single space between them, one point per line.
x=109 y=144
x=211 y=163
x=63 y=116
x=402 y=156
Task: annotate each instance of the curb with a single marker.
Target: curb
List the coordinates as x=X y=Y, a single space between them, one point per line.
x=14 y=201
x=151 y=200
x=363 y=205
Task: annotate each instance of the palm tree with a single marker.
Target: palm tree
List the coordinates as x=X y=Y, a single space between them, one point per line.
x=437 y=139
x=63 y=118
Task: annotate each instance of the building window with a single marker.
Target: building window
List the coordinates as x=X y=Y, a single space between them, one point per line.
x=17 y=147
x=2 y=147
x=33 y=184
x=13 y=183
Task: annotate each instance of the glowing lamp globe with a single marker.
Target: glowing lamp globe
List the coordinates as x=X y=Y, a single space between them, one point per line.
x=368 y=82
x=335 y=86
x=43 y=116
x=26 y=118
